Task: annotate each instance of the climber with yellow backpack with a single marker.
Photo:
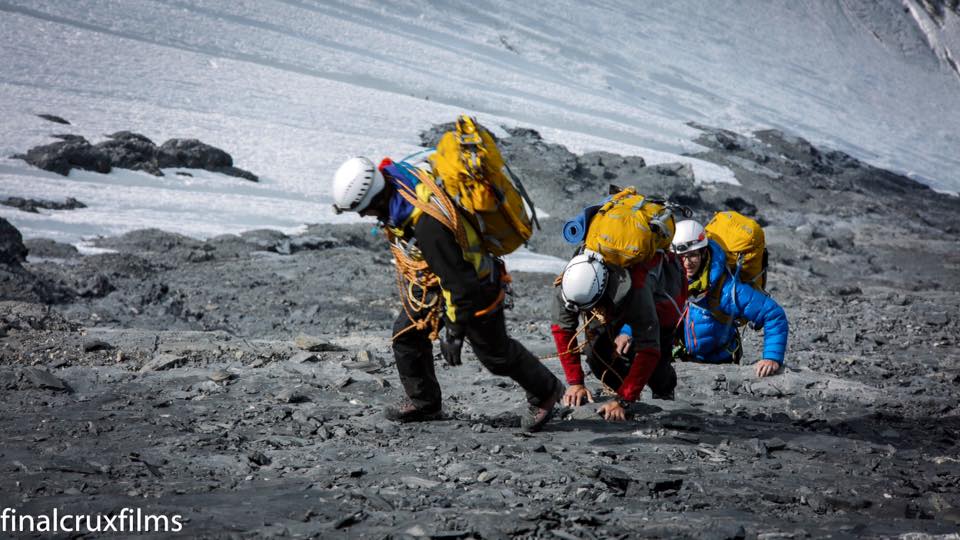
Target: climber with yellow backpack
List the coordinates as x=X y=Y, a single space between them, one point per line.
x=622 y=278
x=447 y=221
x=725 y=266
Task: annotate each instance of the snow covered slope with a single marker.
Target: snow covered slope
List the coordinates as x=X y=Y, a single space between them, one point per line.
x=291 y=87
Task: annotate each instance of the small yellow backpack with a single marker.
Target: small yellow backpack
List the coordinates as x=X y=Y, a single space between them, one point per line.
x=630 y=228
x=744 y=242
x=469 y=167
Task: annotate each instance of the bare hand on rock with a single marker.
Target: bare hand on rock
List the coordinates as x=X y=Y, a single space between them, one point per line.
x=576 y=395
x=612 y=411
x=765 y=368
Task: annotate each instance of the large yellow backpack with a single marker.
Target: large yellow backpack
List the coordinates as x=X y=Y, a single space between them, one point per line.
x=743 y=240
x=630 y=228
x=468 y=165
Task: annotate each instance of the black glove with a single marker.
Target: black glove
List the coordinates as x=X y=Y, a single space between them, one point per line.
x=451 y=344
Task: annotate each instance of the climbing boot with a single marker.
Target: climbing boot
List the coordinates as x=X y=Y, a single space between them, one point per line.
x=538 y=415
x=405 y=411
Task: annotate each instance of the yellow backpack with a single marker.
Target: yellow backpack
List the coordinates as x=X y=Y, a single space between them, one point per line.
x=630 y=228
x=743 y=240
x=471 y=170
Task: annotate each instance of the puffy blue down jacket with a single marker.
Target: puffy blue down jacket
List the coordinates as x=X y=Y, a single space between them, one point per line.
x=708 y=339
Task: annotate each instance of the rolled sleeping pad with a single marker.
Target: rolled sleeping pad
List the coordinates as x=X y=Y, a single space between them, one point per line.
x=575 y=230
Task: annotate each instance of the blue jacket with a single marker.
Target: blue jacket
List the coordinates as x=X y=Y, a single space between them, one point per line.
x=708 y=339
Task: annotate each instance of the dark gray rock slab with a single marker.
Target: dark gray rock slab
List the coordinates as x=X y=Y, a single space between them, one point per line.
x=32 y=205
x=134 y=151
x=61 y=157
x=41 y=378
x=128 y=150
x=50 y=249
x=193 y=154
x=162 y=362
x=54 y=118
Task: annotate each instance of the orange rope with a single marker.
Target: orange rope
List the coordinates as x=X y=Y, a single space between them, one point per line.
x=444 y=211
x=417 y=272
x=414 y=272
x=606 y=389
x=580 y=346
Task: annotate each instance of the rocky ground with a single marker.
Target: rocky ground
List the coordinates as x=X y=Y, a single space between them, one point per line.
x=238 y=381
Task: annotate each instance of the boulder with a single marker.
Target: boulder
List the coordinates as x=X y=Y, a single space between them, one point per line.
x=60 y=157
x=12 y=250
x=31 y=205
x=193 y=154
x=128 y=150
x=50 y=249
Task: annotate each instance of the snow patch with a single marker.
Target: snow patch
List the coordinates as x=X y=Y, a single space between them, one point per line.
x=524 y=260
x=292 y=89
x=87 y=248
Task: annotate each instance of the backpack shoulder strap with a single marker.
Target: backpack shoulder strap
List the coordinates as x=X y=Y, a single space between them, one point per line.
x=443 y=209
x=713 y=301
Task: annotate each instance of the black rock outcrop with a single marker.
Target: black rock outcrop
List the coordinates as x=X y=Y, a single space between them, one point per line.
x=73 y=153
x=12 y=250
x=31 y=205
x=54 y=118
x=129 y=150
x=193 y=154
x=16 y=282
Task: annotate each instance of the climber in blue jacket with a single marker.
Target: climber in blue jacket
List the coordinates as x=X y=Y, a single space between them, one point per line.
x=717 y=299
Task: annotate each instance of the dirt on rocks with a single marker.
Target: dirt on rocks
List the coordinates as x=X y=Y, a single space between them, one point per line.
x=238 y=381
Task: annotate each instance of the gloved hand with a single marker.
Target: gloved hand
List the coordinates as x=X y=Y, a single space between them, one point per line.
x=452 y=344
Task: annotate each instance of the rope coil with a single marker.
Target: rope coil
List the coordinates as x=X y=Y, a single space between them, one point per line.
x=411 y=274
x=416 y=272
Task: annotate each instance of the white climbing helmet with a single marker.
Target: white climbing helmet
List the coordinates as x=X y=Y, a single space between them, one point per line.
x=585 y=280
x=355 y=184
x=689 y=236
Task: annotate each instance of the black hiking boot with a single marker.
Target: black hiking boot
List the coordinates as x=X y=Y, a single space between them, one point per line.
x=405 y=411
x=669 y=396
x=538 y=415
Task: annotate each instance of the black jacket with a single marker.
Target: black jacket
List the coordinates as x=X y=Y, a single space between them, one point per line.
x=463 y=289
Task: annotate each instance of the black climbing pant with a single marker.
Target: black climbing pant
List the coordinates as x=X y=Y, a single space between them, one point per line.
x=488 y=338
